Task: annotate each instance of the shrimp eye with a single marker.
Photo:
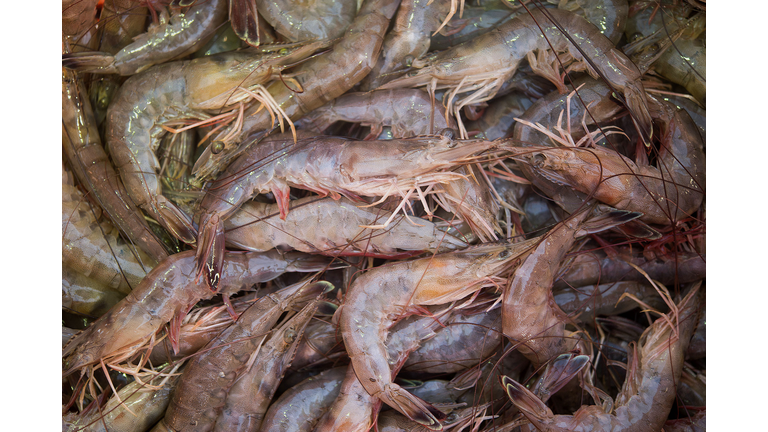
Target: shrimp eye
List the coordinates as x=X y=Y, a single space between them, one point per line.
x=283 y=51
x=217 y=147
x=448 y=133
x=290 y=336
x=504 y=254
x=409 y=60
x=539 y=159
x=654 y=47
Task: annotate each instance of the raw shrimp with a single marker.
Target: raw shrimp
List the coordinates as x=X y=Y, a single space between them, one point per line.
x=299 y=20
x=256 y=227
x=483 y=64
x=83 y=149
x=648 y=393
x=135 y=408
x=169 y=92
x=405 y=337
x=686 y=64
x=325 y=165
x=202 y=391
x=321 y=80
x=529 y=316
x=178 y=36
x=408 y=39
x=250 y=395
x=409 y=112
x=466 y=340
x=606 y=299
x=92 y=248
x=664 y=195
x=597 y=268
x=697 y=113
x=382 y=294
x=170 y=291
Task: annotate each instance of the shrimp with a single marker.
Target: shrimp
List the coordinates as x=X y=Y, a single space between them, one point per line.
x=321 y=343
x=404 y=338
x=649 y=391
x=325 y=165
x=203 y=389
x=529 y=317
x=134 y=409
x=322 y=79
x=664 y=195
x=82 y=147
x=169 y=92
x=250 y=395
x=256 y=227
x=169 y=291
x=483 y=64
x=384 y=293
x=92 y=248
x=597 y=268
x=607 y=299
x=301 y=406
x=178 y=36
x=466 y=340
x=245 y=18
x=409 y=112
x=83 y=295
x=305 y=20
x=408 y=40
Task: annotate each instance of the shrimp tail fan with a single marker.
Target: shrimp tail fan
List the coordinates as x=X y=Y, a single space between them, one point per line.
x=89 y=61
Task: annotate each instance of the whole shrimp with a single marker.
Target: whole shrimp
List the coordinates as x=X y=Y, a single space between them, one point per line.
x=325 y=165
x=250 y=395
x=91 y=166
x=169 y=291
x=409 y=112
x=320 y=80
x=256 y=227
x=529 y=317
x=92 y=248
x=308 y=19
x=664 y=194
x=178 y=36
x=484 y=63
x=382 y=294
x=301 y=406
x=170 y=92
x=203 y=389
x=649 y=391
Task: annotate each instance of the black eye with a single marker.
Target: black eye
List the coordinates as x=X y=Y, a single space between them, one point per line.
x=217 y=147
x=290 y=335
x=539 y=159
x=504 y=254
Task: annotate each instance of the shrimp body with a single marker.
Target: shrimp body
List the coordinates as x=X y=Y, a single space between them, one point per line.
x=178 y=36
x=664 y=195
x=170 y=289
x=490 y=59
x=646 y=397
x=85 y=296
x=257 y=227
x=250 y=396
x=325 y=165
x=378 y=297
x=408 y=111
x=168 y=92
x=308 y=19
x=301 y=406
x=92 y=167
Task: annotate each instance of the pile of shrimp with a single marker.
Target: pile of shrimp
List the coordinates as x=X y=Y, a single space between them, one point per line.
x=385 y=215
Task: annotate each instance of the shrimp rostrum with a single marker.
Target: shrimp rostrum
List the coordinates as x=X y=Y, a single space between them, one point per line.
x=327 y=165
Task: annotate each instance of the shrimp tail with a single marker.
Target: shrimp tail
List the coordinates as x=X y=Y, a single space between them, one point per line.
x=607 y=221
x=531 y=406
x=90 y=61
x=560 y=372
x=414 y=408
x=210 y=251
x=638 y=106
x=176 y=221
x=244 y=19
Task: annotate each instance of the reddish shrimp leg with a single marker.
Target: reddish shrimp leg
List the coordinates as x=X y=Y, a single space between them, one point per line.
x=202 y=391
x=170 y=290
x=649 y=391
x=530 y=316
x=378 y=297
